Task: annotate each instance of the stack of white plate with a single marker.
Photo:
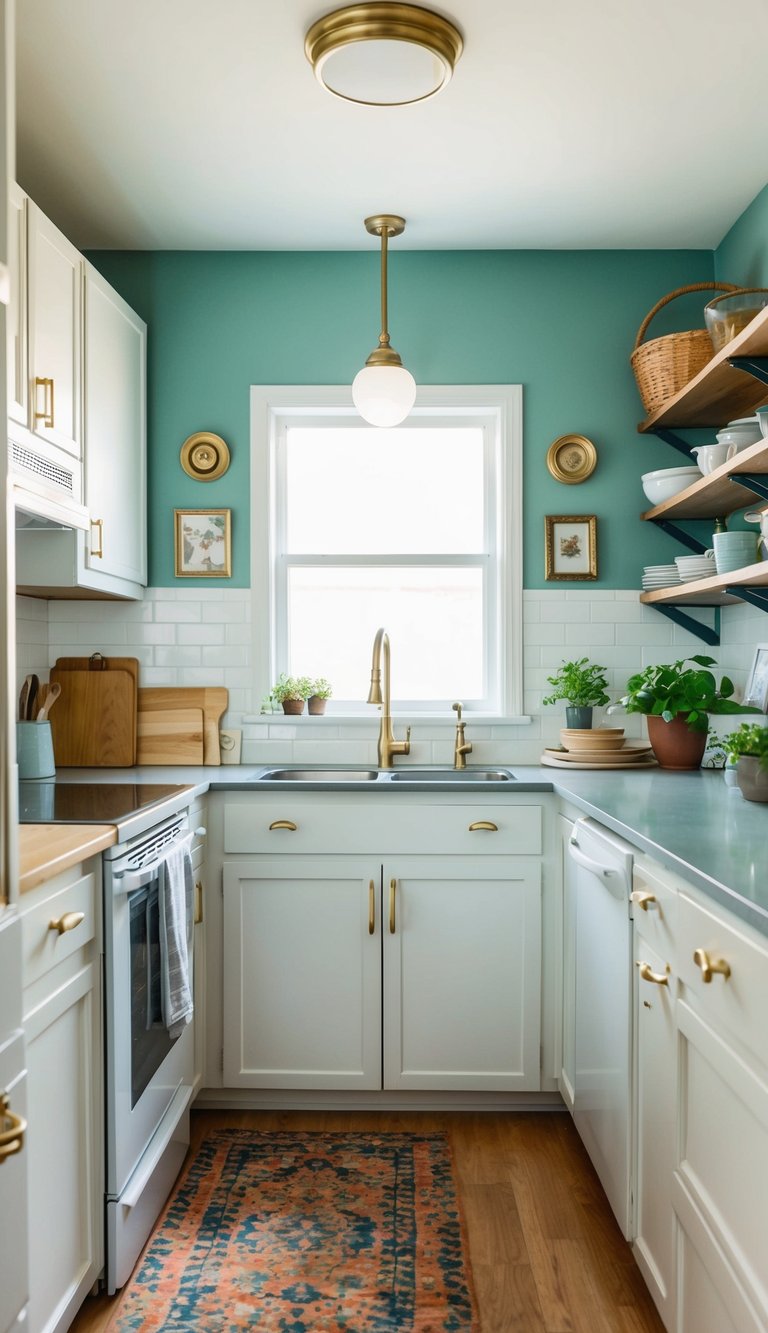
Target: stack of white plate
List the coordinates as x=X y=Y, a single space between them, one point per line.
x=660 y=576
x=692 y=567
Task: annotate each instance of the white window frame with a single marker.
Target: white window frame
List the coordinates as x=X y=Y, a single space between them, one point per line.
x=498 y=409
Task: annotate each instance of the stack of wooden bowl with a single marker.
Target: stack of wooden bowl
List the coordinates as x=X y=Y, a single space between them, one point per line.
x=601 y=747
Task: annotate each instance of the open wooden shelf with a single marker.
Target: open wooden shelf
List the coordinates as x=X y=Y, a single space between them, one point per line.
x=719 y=393
x=716 y=495
x=711 y=591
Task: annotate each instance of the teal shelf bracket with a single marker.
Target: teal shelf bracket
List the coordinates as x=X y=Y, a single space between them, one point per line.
x=753 y=365
x=754 y=481
x=677 y=442
x=707 y=635
x=755 y=596
x=680 y=535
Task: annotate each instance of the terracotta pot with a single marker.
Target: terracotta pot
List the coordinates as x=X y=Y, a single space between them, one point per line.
x=752 y=779
x=578 y=717
x=316 y=705
x=293 y=706
x=675 y=744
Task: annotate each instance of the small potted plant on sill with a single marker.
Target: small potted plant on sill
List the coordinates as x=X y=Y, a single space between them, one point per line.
x=291 y=692
x=748 y=748
x=321 y=691
x=583 y=686
x=677 y=700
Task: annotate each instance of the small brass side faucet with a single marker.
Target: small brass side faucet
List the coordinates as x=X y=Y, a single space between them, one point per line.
x=388 y=746
x=462 y=748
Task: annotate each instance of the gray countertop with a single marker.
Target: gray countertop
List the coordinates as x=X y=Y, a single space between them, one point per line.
x=692 y=823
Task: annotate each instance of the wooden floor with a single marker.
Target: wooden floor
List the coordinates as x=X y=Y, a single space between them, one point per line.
x=547 y=1255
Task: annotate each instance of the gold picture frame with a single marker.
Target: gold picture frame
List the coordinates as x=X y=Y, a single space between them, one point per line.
x=570 y=547
x=202 y=543
x=571 y=459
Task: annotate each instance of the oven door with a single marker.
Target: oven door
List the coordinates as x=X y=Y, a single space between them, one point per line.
x=145 y=1067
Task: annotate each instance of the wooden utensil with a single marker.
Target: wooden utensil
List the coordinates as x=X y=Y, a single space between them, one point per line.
x=170 y=736
x=47 y=699
x=213 y=701
x=94 y=725
x=24 y=698
x=34 y=686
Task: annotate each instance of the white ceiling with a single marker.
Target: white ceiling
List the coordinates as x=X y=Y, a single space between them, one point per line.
x=198 y=124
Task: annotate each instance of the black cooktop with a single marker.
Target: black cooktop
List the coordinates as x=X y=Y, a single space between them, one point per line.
x=88 y=802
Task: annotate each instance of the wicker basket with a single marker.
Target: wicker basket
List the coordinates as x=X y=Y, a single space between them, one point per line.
x=663 y=366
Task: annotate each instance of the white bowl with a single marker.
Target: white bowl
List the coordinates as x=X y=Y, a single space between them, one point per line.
x=762 y=417
x=665 y=482
x=742 y=432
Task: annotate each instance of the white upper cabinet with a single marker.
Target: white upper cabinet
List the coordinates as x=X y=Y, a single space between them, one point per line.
x=54 y=271
x=16 y=315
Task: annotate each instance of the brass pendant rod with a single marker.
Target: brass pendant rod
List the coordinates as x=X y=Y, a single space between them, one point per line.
x=384 y=335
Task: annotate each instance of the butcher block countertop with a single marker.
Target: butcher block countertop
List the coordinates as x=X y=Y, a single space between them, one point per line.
x=47 y=849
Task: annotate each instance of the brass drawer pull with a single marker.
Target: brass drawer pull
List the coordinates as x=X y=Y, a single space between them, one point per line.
x=283 y=823
x=12 y=1129
x=198 y=902
x=69 y=921
x=371 y=908
x=642 y=899
x=392 y=893
x=46 y=416
x=484 y=824
x=710 y=965
x=658 y=978
x=98 y=523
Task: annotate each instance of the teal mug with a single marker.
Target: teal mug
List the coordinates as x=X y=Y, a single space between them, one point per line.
x=34 y=750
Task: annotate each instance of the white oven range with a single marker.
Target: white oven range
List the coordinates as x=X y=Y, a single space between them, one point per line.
x=148 y=1073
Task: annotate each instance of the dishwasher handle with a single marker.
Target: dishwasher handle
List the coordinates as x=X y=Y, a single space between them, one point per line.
x=587 y=862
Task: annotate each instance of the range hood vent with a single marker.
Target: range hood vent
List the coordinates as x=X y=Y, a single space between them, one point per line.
x=25 y=461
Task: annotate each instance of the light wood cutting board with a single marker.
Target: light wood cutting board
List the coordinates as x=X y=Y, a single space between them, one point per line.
x=170 y=736
x=94 y=721
x=213 y=701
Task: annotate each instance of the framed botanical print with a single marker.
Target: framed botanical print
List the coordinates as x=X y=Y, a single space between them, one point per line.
x=570 y=546
x=756 y=692
x=203 y=543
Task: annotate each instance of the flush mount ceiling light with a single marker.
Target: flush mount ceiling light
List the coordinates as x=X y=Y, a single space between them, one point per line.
x=384 y=391
x=383 y=53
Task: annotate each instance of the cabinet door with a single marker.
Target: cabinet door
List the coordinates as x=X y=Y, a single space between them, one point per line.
x=16 y=316
x=567 y=1064
x=55 y=270
x=114 y=433
x=302 y=985
x=655 y=1133
x=65 y=1223
x=462 y=973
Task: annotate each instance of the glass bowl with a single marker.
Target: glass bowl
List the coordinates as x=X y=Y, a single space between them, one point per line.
x=727 y=315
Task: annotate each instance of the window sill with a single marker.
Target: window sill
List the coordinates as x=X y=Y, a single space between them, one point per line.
x=366 y=719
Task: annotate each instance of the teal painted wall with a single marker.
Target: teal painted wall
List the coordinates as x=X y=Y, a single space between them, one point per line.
x=561 y=323
x=742 y=255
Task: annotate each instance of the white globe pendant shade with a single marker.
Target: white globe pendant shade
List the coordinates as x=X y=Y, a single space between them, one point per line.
x=384 y=395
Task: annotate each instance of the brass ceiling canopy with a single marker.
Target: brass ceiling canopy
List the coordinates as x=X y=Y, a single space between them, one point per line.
x=383 y=53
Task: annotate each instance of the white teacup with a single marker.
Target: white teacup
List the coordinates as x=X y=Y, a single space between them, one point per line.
x=710 y=456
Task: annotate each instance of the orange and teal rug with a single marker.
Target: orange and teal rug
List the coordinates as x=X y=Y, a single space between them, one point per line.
x=308 y=1233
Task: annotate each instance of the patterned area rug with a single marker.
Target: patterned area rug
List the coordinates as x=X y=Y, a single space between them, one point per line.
x=308 y=1233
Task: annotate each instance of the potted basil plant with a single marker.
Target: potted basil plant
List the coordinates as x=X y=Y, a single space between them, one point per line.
x=583 y=686
x=292 y=692
x=320 y=692
x=677 y=700
x=748 y=748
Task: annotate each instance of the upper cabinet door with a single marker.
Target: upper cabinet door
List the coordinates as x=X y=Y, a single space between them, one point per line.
x=115 y=432
x=55 y=270
x=18 y=386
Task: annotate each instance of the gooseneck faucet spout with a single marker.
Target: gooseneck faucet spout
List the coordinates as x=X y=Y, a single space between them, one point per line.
x=379 y=693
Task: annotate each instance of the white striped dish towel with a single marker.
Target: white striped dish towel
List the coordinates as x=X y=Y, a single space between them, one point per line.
x=175 y=900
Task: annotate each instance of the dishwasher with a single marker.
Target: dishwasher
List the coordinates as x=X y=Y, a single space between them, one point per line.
x=601 y=884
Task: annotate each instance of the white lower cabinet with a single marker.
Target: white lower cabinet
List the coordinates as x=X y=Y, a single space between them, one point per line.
x=62 y=1025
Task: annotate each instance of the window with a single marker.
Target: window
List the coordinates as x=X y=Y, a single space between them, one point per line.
x=415 y=528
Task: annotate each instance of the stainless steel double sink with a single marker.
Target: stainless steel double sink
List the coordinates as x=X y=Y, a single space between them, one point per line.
x=400 y=775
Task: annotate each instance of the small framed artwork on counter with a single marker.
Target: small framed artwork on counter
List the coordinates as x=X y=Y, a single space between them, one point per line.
x=570 y=546
x=203 y=543
x=756 y=693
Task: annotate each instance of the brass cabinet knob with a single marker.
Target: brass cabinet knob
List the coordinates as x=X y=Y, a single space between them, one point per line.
x=647 y=974
x=69 y=921
x=709 y=965
x=12 y=1129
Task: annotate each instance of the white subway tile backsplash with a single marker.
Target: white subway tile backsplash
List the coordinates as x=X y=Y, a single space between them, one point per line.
x=199 y=633
x=184 y=613
x=176 y=656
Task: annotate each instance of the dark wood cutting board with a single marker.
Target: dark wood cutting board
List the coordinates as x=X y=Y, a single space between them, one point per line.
x=94 y=721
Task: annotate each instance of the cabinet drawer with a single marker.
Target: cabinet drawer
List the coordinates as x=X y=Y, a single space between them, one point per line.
x=44 y=946
x=735 y=1005
x=292 y=825
x=654 y=908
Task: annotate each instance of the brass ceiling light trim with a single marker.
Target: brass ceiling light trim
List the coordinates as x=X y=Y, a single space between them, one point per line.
x=384 y=391
x=383 y=53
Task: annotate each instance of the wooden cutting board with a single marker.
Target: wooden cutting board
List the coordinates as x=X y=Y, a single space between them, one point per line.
x=213 y=701
x=129 y=664
x=170 y=736
x=94 y=720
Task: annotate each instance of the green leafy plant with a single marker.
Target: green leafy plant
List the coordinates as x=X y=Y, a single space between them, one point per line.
x=750 y=739
x=291 y=687
x=320 y=689
x=582 y=684
x=675 y=690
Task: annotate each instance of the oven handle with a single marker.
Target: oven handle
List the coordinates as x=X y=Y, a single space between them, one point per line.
x=130 y=880
x=140 y=1179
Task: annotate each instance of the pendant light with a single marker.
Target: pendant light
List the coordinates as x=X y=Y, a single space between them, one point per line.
x=383 y=53
x=384 y=391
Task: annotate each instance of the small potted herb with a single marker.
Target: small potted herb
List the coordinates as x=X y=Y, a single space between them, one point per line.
x=321 y=692
x=677 y=700
x=291 y=692
x=583 y=686
x=748 y=747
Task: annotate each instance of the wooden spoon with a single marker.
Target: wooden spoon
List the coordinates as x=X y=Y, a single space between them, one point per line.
x=51 y=696
x=24 y=698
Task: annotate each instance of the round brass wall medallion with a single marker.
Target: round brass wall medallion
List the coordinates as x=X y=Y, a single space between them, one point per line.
x=204 y=456
x=572 y=458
